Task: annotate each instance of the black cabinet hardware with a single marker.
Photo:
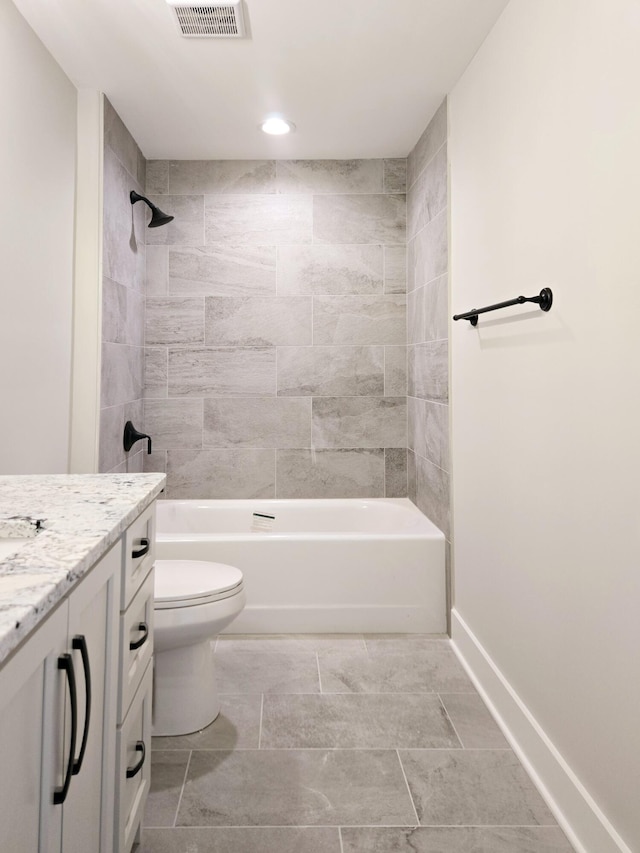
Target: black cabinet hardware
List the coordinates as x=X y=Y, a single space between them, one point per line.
x=142 y=626
x=65 y=662
x=80 y=642
x=133 y=771
x=140 y=552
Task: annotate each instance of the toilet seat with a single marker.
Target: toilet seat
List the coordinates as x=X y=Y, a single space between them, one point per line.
x=189 y=583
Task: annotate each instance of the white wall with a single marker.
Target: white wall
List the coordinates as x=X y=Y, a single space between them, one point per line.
x=37 y=176
x=545 y=182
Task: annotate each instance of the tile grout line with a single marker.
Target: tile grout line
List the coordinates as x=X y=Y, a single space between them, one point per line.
x=404 y=776
x=448 y=716
x=260 y=728
x=319 y=676
x=340 y=837
x=184 y=782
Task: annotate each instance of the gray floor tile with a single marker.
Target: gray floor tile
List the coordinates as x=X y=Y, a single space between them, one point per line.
x=413 y=672
x=472 y=787
x=167 y=777
x=267 y=672
x=473 y=723
x=237 y=726
x=262 y=839
x=290 y=642
x=546 y=839
x=295 y=788
x=382 y=721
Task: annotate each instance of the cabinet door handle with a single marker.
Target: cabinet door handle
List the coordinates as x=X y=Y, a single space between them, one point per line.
x=133 y=771
x=142 y=626
x=65 y=662
x=140 y=552
x=80 y=642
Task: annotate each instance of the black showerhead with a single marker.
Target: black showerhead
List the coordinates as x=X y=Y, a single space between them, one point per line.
x=157 y=216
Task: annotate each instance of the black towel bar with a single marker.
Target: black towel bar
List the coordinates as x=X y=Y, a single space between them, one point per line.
x=544 y=300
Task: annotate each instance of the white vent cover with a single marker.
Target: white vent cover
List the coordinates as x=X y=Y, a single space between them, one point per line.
x=220 y=21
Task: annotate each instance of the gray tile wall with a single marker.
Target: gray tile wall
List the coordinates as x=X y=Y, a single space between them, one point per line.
x=123 y=296
x=427 y=323
x=276 y=358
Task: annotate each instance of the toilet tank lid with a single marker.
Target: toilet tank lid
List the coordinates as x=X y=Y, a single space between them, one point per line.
x=180 y=579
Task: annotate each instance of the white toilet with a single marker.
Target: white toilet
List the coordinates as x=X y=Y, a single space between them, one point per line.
x=193 y=601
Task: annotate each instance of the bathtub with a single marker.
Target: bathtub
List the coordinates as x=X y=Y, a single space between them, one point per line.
x=324 y=566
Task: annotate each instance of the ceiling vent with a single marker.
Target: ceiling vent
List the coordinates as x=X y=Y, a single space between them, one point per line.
x=220 y=21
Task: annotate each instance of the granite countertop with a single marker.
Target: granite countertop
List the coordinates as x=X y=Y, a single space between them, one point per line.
x=69 y=522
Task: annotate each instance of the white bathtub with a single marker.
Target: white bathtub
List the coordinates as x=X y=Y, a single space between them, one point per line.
x=326 y=566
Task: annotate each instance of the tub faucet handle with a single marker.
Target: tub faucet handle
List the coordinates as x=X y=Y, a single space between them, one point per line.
x=131 y=435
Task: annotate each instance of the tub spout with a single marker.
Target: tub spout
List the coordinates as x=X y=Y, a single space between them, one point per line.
x=131 y=435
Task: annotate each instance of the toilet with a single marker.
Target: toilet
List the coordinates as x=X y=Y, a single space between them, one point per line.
x=193 y=601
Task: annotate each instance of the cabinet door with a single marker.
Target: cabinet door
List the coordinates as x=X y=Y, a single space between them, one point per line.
x=28 y=739
x=87 y=818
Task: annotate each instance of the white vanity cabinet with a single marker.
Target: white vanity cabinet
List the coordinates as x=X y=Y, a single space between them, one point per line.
x=75 y=712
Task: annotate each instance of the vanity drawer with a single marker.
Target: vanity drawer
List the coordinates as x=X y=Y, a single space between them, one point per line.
x=139 y=554
x=136 y=630
x=133 y=763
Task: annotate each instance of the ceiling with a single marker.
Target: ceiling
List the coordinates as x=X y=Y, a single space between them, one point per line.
x=359 y=78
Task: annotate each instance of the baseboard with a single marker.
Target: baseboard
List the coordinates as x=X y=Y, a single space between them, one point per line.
x=586 y=827
x=335 y=619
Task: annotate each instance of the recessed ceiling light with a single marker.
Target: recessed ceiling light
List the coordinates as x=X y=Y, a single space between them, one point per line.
x=276 y=126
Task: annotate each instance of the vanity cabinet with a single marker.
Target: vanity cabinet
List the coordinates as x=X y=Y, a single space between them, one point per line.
x=75 y=712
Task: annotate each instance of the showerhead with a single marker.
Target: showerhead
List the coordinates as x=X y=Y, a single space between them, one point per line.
x=158 y=218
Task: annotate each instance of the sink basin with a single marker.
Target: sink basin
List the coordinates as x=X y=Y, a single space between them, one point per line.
x=11 y=546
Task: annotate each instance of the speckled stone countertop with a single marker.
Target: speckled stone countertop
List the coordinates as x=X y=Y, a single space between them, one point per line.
x=69 y=522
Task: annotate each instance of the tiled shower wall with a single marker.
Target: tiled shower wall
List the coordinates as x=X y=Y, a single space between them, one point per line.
x=122 y=296
x=427 y=323
x=276 y=328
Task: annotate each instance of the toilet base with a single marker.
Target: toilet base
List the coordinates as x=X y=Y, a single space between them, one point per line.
x=185 y=698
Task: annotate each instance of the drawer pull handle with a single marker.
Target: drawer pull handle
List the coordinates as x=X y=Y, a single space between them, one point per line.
x=142 y=626
x=133 y=771
x=79 y=642
x=65 y=662
x=140 y=552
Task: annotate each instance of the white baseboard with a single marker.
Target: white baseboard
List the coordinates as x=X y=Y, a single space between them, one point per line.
x=586 y=827
x=337 y=619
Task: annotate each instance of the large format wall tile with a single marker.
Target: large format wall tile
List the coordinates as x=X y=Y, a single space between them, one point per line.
x=155 y=371
x=157 y=176
x=222 y=176
x=121 y=143
x=329 y=176
x=124 y=226
x=330 y=473
x=258 y=321
x=359 y=219
x=359 y=422
x=257 y=422
x=331 y=371
x=173 y=320
x=395 y=269
x=187 y=228
x=432 y=493
x=121 y=374
x=330 y=269
x=112 y=421
x=429 y=371
x=436 y=309
x=357 y=320
x=428 y=252
x=395 y=472
x=429 y=194
x=174 y=423
x=434 y=136
x=122 y=314
x=214 y=371
x=223 y=271
x=395 y=371
x=220 y=474
x=157 y=271
x=395 y=175
x=258 y=219
x=428 y=430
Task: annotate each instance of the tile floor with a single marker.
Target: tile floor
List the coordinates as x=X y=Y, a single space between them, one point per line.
x=344 y=744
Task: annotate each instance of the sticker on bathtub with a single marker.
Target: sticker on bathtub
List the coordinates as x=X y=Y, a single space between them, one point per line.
x=262 y=523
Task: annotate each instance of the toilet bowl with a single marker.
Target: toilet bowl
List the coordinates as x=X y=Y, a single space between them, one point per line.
x=193 y=601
